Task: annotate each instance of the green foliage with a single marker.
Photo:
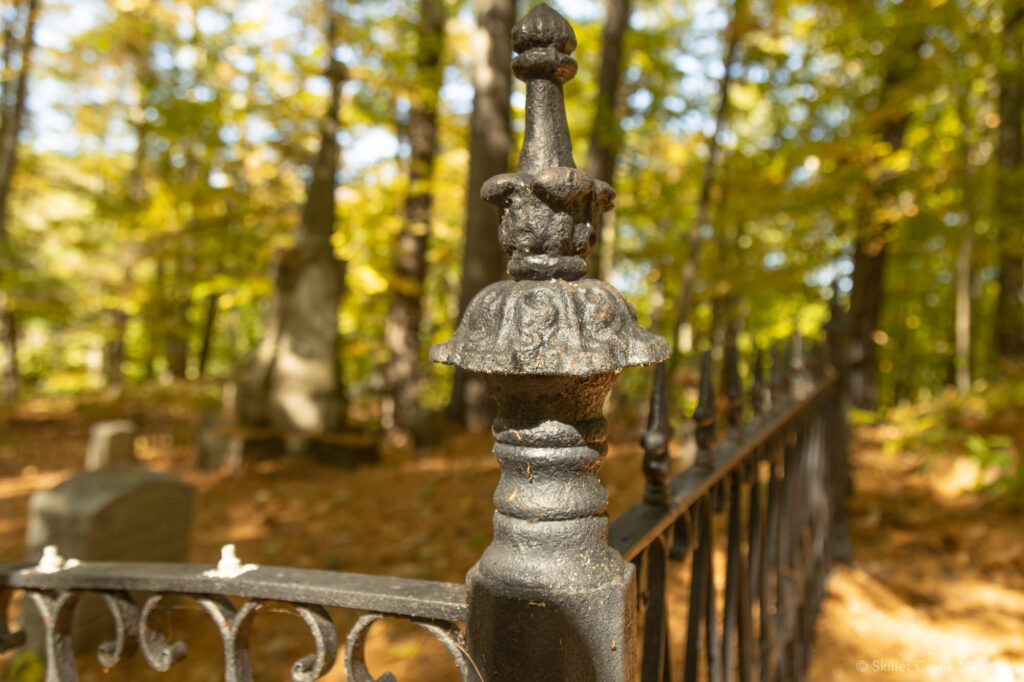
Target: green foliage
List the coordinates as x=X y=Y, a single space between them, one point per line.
x=190 y=125
x=26 y=666
x=982 y=425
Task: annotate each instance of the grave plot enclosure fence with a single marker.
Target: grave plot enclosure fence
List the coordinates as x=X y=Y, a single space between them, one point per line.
x=560 y=593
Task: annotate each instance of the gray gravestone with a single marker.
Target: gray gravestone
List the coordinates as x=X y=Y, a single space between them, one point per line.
x=110 y=443
x=123 y=514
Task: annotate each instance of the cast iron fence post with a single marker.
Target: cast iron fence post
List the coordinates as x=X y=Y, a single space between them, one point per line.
x=838 y=336
x=549 y=599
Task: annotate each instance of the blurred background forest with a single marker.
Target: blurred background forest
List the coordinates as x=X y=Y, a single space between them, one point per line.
x=190 y=190
x=247 y=220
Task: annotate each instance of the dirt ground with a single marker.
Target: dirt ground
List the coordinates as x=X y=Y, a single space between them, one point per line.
x=935 y=590
x=936 y=587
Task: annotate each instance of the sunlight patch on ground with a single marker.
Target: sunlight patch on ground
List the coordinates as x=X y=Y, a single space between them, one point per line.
x=936 y=588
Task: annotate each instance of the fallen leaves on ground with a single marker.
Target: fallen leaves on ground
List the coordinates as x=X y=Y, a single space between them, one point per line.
x=935 y=591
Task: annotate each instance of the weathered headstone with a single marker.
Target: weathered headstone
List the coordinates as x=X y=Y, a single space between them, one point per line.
x=110 y=443
x=126 y=513
x=217 y=446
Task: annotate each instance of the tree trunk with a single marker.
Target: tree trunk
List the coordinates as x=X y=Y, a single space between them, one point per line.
x=865 y=309
x=606 y=132
x=13 y=99
x=1009 y=202
x=211 y=317
x=869 y=267
x=401 y=332
x=12 y=109
x=176 y=340
x=701 y=228
x=963 y=311
x=11 y=386
x=490 y=141
x=293 y=380
x=962 y=315
x=113 y=351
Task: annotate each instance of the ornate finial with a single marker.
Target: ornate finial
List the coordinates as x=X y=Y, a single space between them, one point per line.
x=550 y=345
x=549 y=207
x=549 y=321
x=757 y=387
x=706 y=411
x=544 y=41
x=655 y=442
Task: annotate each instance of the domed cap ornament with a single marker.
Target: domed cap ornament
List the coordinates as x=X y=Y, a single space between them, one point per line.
x=549 y=321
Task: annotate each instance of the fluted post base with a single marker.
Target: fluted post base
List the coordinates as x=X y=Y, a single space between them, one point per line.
x=550 y=599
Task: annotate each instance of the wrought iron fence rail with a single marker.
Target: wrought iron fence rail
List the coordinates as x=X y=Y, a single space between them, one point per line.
x=382 y=594
x=55 y=591
x=640 y=525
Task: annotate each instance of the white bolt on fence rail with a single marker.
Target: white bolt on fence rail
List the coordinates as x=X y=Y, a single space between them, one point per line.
x=230 y=566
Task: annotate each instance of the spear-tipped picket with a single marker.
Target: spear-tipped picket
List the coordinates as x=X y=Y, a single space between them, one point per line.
x=835 y=311
x=655 y=442
x=836 y=330
x=705 y=414
x=757 y=387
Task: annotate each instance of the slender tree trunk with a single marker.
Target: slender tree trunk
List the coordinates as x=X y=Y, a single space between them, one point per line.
x=963 y=310
x=401 y=334
x=869 y=264
x=12 y=109
x=962 y=315
x=865 y=310
x=702 y=228
x=293 y=380
x=490 y=141
x=1009 y=202
x=176 y=340
x=11 y=376
x=606 y=132
x=14 y=98
x=113 y=351
x=211 y=317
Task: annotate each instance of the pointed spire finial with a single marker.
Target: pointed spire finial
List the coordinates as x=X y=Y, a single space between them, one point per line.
x=655 y=441
x=706 y=411
x=548 y=207
x=551 y=320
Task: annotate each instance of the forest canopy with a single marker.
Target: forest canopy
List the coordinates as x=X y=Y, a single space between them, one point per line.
x=194 y=189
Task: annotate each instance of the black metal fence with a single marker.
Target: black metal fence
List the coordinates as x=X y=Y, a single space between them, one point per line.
x=560 y=594
x=776 y=483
